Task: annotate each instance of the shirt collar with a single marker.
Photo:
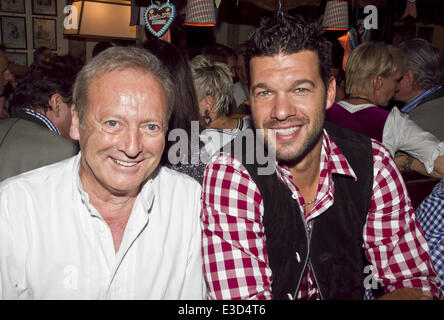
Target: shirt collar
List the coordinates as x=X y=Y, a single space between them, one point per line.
x=145 y=196
x=332 y=160
x=51 y=126
x=412 y=104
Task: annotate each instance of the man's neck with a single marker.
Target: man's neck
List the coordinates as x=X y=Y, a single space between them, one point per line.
x=306 y=172
x=413 y=94
x=115 y=209
x=110 y=205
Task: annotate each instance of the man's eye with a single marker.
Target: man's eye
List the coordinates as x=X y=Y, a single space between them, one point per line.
x=302 y=90
x=263 y=93
x=111 y=123
x=153 y=127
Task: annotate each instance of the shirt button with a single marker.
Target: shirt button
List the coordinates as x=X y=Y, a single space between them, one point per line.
x=294 y=195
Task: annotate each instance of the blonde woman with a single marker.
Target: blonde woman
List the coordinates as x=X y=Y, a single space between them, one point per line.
x=213 y=83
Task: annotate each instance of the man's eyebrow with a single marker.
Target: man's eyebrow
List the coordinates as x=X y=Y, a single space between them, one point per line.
x=303 y=81
x=262 y=85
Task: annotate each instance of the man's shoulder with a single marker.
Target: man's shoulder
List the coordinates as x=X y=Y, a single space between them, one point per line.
x=434 y=98
x=349 y=136
x=40 y=179
x=21 y=132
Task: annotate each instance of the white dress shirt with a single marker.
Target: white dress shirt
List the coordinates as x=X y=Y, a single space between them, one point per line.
x=402 y=134
x=55 y=245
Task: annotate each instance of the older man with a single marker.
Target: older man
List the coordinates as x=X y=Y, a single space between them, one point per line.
x=108 y=223
x=421 y=88
x=334 y=209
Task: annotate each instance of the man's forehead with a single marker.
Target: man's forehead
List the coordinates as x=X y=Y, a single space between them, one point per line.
x=304 y=60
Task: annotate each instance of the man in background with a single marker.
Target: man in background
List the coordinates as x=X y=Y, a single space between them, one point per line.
x=421 y=88
x=37 y=132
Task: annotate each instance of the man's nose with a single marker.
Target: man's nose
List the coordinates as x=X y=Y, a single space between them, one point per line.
x=283 y=107
x=132 y=142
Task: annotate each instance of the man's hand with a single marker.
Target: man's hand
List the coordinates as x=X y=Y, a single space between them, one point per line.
x=407 y=294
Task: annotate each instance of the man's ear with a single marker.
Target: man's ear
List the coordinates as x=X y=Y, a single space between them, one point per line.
x=74 y=130
x=331 y=93
x=54 y=102
x=409 y=76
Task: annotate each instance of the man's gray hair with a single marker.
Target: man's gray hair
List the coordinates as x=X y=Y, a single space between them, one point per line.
x=118 y=59
x=425 y=62
x=212 y=78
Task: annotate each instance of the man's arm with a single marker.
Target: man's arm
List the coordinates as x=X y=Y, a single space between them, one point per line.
x=406 y=162
x=234 y=251
x=402 y=134
x=393 y=239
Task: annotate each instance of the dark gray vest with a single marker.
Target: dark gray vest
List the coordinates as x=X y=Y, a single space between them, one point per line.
x=334 y=249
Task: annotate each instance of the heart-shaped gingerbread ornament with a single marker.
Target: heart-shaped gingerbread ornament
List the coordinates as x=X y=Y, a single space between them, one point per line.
x=158 y=18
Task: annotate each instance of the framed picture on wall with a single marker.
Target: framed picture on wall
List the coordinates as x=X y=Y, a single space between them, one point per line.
x=44 y=33
x=44 y=7
x=18 y=57
x=13 y=32
x=16 y=6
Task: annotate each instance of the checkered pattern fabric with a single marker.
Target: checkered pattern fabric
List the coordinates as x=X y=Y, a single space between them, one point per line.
x=234 y=245
x=336 y=15
x=200 y=12
x=430 y=215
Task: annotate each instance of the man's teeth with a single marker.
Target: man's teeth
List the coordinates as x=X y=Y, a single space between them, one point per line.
x=286 y=131
x=125 y=164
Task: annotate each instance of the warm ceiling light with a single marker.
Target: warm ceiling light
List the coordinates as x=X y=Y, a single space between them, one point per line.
x=104 y=19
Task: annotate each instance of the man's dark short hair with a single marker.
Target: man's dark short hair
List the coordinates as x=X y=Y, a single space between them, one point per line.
x=286 y=34
x=43 y=80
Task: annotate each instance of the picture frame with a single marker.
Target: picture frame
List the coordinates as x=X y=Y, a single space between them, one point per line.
x=44 y=33
x=15 y=6
x=44 y=7
x=20 y=58
x=14 y=32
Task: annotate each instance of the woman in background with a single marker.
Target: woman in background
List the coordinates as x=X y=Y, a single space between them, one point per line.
x=213 y=83
x=185 y=113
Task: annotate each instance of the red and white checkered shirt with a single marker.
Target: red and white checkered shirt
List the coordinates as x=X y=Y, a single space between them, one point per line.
x=234 y=245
